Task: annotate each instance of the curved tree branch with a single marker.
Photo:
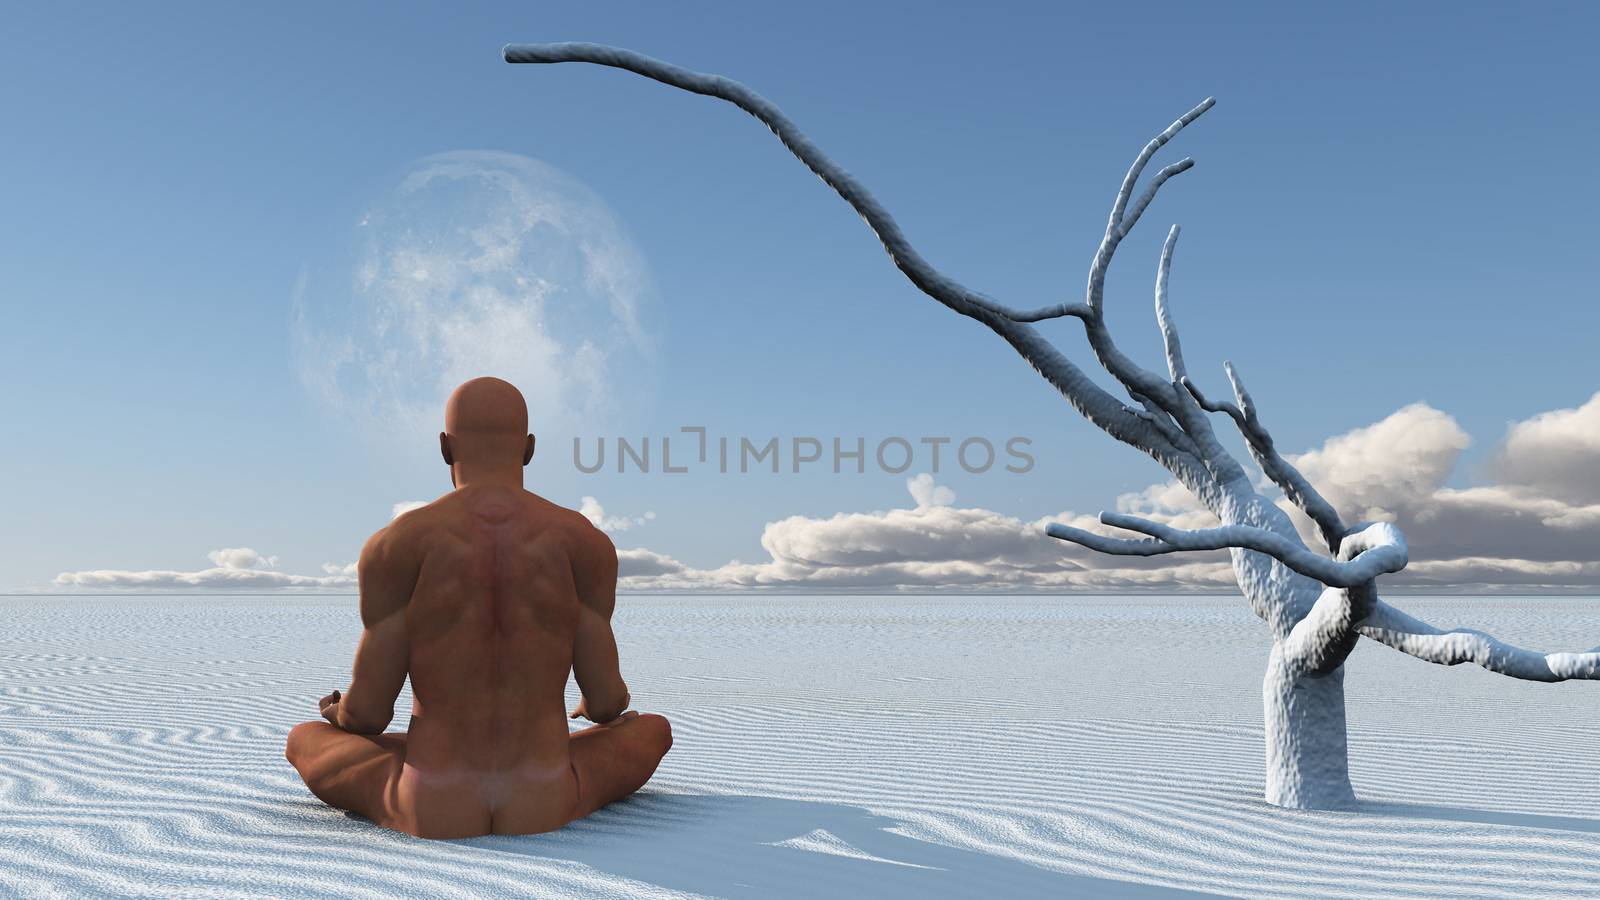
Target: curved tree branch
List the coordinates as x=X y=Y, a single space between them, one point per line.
x=1160 y=418
x=1096 y=404
x=1322 y=640
x=1125 y=370
x=1411 y=635
x=1134 y=427
x=1182 y=405
x=1381 y=548
x=1282 y=473
x=927 y=279
x=1169 y=329
x=1121 y=223
x=1177 y=168
x=1139 y=381
x=1076 y=310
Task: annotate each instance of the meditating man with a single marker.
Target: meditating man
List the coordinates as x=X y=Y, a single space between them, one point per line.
x=487 y=597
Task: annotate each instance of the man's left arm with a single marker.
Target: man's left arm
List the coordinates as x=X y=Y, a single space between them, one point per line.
x=387 y=575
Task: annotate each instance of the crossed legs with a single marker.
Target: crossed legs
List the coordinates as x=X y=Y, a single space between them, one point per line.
x=362 y=773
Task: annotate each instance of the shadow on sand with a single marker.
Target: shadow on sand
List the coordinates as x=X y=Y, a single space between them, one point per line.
x=1480 y=816
x=740 y=846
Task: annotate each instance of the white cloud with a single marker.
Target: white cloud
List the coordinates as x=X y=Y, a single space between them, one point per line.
x=241 y=558
x=1534 y=530
x=1168 y=502
x=594 y=512
x=1369 y=472
x=1554 y=453
x=926 y=493
x=236 y=568
x=405 y=506
x=1484 y=572
x=640 y=563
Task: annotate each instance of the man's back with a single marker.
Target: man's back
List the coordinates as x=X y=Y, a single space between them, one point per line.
x=491 y=624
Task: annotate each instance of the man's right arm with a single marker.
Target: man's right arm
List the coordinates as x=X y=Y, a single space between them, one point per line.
x=594 y=650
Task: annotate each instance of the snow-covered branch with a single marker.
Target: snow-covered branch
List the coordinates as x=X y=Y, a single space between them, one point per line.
x=1322 y=640
x=927 y=278
x=1096 y=404
x=1076 y=310
x=1162 y=420
x=1381 y=548
x=1411 y=635
x=1169 y=329
x=1162 y=392
x=1132 y=376
x=1123 y=219
x=1282 y=473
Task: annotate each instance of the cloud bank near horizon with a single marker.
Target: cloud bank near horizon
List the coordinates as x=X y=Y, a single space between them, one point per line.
x=1536 y=527
x=233 y=569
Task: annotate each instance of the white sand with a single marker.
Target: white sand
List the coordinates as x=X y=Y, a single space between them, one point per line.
x=825 y=747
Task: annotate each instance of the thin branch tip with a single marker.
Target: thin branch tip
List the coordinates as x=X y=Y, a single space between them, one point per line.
x=1192 y=114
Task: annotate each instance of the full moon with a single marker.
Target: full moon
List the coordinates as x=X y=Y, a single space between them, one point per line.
x=473 y=263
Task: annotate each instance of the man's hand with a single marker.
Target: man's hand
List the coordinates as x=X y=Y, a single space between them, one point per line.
x=582 y=712
x=330 y=708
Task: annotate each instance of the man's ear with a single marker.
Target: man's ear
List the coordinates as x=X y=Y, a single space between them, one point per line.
x=444 y=449
x=527 y=454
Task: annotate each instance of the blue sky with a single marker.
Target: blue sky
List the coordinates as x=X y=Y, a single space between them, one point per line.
x=1390 y=206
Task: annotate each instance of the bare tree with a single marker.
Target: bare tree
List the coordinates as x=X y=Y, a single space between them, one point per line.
x=1318 y=606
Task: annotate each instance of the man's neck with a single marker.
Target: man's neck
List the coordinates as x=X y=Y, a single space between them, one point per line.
x=466 y=476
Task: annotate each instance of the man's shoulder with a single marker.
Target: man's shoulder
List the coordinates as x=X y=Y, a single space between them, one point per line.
x=409 y=521
x=414 y=510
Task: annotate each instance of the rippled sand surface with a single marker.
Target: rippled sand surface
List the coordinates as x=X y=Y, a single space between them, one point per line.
x=908 y=746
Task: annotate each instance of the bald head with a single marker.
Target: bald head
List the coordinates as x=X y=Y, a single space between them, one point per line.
x=486 y=431
x=486 y=406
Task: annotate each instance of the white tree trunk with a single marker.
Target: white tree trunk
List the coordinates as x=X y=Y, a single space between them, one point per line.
x=1307 y=754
